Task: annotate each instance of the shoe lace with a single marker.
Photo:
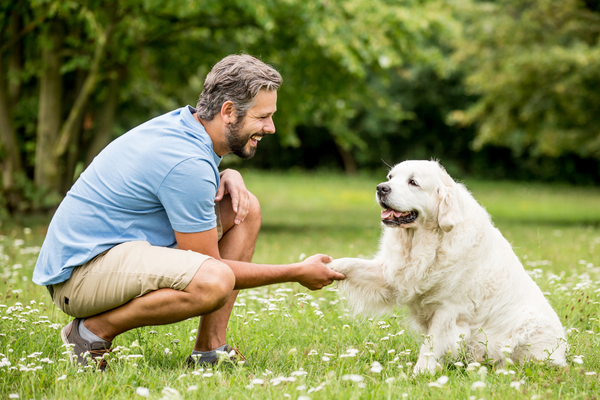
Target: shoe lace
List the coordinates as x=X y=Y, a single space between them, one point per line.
x=239 y=353
x=98 y=356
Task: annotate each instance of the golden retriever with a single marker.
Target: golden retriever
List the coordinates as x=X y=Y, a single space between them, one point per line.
x=441 y=256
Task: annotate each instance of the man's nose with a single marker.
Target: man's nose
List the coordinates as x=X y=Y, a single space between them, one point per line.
x=269 y=126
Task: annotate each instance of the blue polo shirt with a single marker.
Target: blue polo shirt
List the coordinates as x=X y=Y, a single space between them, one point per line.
x=160 y=177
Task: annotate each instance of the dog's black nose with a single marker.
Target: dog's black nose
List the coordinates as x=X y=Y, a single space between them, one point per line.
x=383 y=189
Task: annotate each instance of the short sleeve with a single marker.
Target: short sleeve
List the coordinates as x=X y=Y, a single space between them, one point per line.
x=188 y=195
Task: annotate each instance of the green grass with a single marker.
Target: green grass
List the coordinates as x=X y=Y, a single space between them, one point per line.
x=554 y=230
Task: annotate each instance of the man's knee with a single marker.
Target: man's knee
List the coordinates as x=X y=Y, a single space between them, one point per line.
x=212 y=285
x=254 y=216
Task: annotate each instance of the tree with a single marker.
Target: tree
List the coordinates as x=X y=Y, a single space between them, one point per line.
x=535 y=66
x=90 y=70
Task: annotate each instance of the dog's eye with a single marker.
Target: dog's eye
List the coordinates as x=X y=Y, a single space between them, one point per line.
x=412 y=182
x=389 y=177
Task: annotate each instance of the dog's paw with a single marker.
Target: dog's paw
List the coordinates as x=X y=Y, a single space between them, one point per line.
x=341 y=265
x=425 y=365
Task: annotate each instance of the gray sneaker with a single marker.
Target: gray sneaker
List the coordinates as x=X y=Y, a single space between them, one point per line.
x=229 y=357
x=81 y=348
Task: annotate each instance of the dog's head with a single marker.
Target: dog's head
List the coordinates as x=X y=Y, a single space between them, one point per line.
x=417 y=193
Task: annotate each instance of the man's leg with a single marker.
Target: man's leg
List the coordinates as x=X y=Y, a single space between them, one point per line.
x=238 y=244
x=209 y=289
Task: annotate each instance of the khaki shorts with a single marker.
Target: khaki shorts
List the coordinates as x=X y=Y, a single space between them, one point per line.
x=121 y=274
x=125 y=272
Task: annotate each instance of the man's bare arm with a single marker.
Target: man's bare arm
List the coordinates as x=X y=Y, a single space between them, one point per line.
x=311 y=273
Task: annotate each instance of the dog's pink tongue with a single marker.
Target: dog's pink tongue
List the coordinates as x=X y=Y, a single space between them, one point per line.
x=385 y=214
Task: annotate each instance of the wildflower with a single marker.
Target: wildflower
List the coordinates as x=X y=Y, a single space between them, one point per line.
x=13 y=396
x=478 y=385
x=61 y=378
x=376 y=367
x=353 y=378
x=440 y=382
x=578 y=359
x=257 y=381
x=313 y=353
x=316 y=389
x=168 y=352
x=517 y=384
x=325 y=358
x=170 y=394
x=192 y=388
x=589 y=373
x=279 y=379
x=299 y=373
x=472 y=366
x=4 y=362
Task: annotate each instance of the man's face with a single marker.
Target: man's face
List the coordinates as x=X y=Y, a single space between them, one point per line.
x=244 y=135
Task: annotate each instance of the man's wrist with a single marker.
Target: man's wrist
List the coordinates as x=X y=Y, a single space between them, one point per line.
x=295 y=272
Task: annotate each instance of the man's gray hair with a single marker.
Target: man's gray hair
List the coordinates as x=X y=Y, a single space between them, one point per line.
x=237 y=78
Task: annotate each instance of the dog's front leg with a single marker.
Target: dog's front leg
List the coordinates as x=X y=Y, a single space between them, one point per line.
x=445 y=334
x=365 y=286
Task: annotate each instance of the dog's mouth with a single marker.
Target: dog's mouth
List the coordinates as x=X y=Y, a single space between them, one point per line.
x=396 y=218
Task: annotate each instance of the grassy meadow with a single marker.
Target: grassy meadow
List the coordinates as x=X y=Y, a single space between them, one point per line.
x=303 y=344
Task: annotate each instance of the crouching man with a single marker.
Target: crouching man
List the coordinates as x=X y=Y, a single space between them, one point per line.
x=152 y=233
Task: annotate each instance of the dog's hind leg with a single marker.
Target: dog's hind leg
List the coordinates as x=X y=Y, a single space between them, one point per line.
x=444 y=337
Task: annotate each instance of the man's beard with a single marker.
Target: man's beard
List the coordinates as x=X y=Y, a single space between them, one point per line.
x=237 y=142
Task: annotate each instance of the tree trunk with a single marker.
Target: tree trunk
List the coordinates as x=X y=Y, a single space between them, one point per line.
x=107 y=118
x=46 y=175
x=16 y=58
x=70 y=127
x=349 y=164
x=12 y=163
x=74 y=150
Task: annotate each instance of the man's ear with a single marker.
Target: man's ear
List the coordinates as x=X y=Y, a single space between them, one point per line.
x=449 y=213
x=228 y=112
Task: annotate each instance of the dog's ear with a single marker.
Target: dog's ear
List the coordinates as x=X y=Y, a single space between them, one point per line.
x=449 y=213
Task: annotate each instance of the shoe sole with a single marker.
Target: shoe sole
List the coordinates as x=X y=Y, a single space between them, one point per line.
x=68 y=346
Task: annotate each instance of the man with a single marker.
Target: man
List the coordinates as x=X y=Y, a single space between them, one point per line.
x=109 y=258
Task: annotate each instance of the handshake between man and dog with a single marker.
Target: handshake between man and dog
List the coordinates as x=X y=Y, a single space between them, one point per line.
x=441 y=256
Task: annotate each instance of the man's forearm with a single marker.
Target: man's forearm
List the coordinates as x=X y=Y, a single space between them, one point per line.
x=249 y=275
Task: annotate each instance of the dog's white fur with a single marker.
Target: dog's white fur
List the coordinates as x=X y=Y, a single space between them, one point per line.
x=458 y=275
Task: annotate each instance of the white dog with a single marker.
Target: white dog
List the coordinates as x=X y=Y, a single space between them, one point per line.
x=465 y=288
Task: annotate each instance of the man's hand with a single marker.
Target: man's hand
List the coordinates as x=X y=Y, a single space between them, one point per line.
x=314 y=274
x=233 y=183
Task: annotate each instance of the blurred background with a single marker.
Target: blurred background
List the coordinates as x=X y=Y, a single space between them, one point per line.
x=506 y=89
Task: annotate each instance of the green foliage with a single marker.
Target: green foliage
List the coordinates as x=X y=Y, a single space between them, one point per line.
x=536 y=67
x=364 y=80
